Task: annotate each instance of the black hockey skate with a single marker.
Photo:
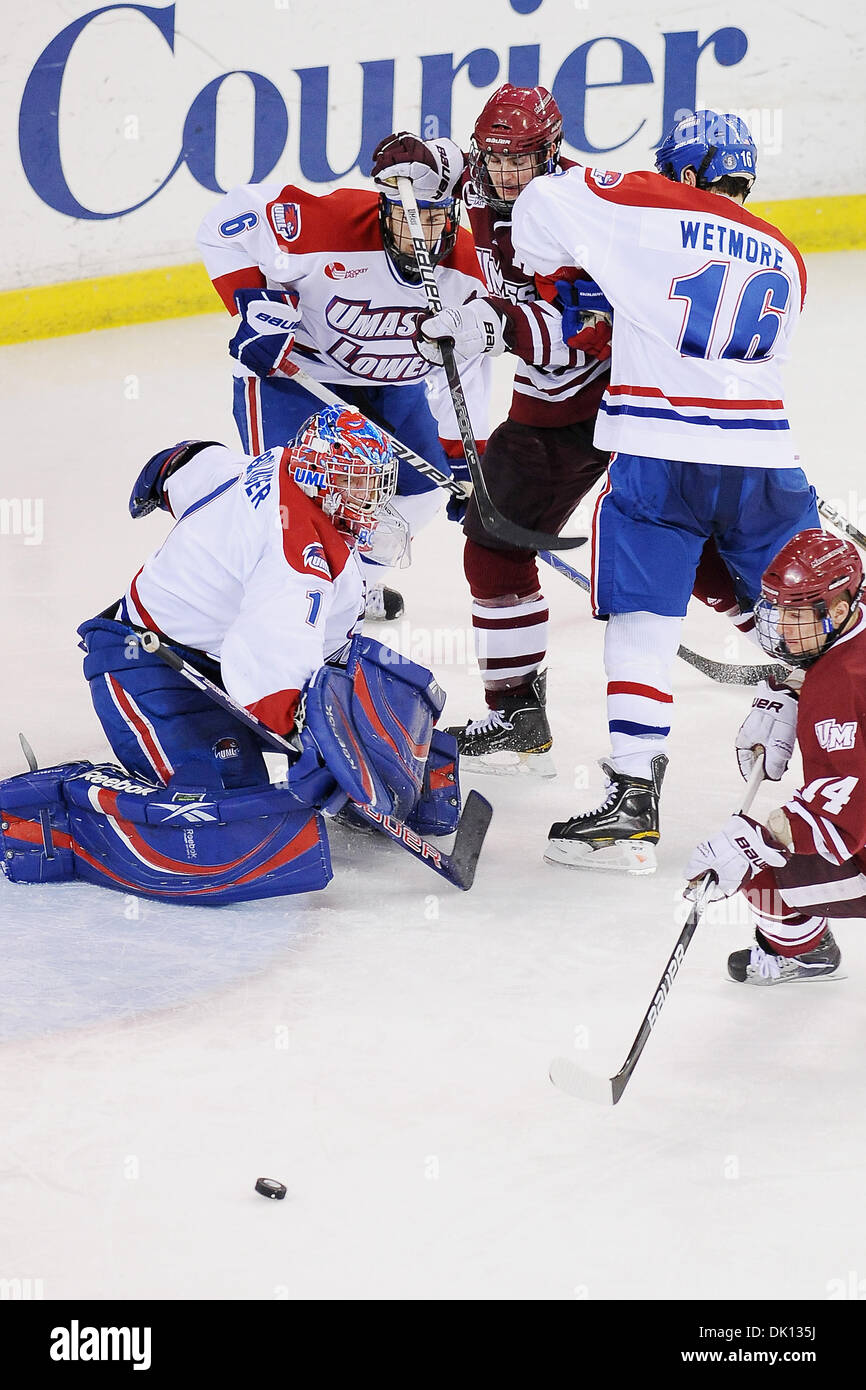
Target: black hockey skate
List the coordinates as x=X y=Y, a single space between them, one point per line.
x=761 y=965
x=383 y=605
x=621 y=834
x=515 y=738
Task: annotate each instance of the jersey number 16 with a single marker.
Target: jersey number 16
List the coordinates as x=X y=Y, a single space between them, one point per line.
x=749 y=332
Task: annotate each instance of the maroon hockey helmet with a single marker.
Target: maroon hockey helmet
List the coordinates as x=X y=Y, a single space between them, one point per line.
x=524 y=122
x=812 y=571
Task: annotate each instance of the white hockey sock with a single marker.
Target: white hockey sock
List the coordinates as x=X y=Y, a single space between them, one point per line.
x=510 y=639
x=639 y=653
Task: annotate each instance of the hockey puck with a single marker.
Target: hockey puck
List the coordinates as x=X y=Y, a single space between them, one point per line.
x=269 y=1187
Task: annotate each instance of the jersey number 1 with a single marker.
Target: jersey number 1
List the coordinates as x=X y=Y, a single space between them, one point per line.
x=315 y=597
x=753 y=326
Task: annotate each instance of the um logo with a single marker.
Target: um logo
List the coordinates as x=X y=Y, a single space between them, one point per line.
x=833 y=736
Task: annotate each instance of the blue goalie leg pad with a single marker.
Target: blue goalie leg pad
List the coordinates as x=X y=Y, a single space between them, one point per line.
x=207 y=848
x=438 y=808
x=172 y=844
x=35 y=839
x=394 y=705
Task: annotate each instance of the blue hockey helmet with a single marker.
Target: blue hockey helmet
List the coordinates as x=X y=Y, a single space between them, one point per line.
x=715 y=146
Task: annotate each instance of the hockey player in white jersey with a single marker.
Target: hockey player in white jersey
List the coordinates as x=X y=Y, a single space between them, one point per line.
x=331 y=281
x=257 y=588
x=705 y=300
x=539 y=462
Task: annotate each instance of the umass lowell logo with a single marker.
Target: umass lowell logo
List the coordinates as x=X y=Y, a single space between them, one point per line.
x=390 y=356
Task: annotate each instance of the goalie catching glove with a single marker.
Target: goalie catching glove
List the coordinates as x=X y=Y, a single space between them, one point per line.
x=266 y=333
x=771 y=724
x=736 y=853
x=474 y=328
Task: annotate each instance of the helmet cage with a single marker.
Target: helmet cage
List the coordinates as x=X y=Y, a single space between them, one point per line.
x=769 y=615
x=404 y=261
x=544 y=159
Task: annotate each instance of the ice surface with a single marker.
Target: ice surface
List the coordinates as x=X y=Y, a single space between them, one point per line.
x=382 y=1047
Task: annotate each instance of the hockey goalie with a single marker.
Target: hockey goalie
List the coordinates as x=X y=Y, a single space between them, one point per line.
x=258 y=588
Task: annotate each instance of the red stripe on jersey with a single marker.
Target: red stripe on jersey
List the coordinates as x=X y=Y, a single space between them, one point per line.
x=305 y=525
x=277 y=711
x=648 y=692
x=454 y=447
x=621 y=390
x=249 y=279
x=650 y=190
x=133 y=591
x=346 y=220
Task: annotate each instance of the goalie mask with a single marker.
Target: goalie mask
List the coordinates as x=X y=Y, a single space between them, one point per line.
x=809 y=595
x=516 y=137
x=347 y=464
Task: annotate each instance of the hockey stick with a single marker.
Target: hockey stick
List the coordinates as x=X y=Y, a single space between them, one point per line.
x=566 y=1074
x=726 y=673
x=494 y=522
x=401 y=451
x=458 y=867
x=850 y=530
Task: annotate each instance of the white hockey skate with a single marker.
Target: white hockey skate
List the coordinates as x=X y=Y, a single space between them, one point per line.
x=761 y=965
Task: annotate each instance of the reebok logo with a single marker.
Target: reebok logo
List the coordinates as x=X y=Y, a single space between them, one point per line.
x=833 y=737
x=335 y=270
x=75 y=1343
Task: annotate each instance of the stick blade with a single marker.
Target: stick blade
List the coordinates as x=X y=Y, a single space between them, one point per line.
x=28 y=753
x=575 y=1081
x=471 y=832
x=731 y=673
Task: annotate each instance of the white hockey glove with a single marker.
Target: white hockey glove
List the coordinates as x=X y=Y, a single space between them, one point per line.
x=475 y=327
x=434 y=166
x=772 y=723
x=738 y=851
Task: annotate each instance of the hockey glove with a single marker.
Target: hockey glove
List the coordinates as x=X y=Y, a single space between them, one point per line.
x=737 y=852
x=455 y=509
x=148 y=490
x=772 y=723
x=587 y=317
x=266 y=333
x=434 y=166
x=474 y=328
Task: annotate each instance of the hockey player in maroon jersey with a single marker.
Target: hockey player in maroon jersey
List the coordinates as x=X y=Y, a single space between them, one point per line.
x=330 y=282
x=541 y=461
x=808 y=863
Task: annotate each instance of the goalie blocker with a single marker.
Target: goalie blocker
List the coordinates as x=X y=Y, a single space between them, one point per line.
x=367 y=737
